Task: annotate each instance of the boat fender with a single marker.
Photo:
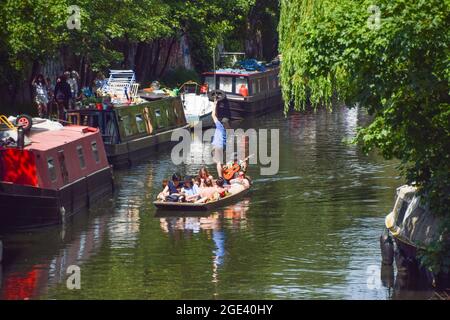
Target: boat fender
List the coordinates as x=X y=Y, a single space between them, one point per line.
x=217 y=95
x=387 y=248
x=20 y=137
x=62 y=211
x=243 y=90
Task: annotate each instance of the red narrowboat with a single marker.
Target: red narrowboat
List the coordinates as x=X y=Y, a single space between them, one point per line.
x=57 y=172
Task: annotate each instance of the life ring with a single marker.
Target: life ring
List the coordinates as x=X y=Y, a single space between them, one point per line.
x=24 y=121
x=217 y=95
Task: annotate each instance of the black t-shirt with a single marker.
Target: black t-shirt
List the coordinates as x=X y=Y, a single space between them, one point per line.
x=173 y=189
x=62 y=91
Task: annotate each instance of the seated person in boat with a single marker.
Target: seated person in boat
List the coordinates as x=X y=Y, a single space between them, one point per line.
x=211 y=191
x=163 y=194
x=207 y=192
x=203 y=174
x=220 y=187
x=173 y=188
x=239 y=184
x=190 y=191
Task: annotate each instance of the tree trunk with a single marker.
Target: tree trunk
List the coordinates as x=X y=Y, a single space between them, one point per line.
x=34 y=71
x=154 y=65
x=169 y=52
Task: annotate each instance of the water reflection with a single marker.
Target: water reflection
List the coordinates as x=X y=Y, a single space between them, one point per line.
x=37 y=260
x=183 y=225
x=309 y=232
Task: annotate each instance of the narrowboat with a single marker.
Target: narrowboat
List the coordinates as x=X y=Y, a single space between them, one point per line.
x=131 y=126
x=412 y=226
x=130 y=132
x=50 y=173
x=252 y=89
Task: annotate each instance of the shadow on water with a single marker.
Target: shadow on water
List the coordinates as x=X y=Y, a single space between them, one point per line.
x=309 y=232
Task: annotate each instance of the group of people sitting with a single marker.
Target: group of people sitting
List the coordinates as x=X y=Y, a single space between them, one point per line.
x=203 y=188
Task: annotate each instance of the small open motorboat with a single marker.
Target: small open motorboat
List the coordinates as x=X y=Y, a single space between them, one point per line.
x=197 y=105
x=189 y=206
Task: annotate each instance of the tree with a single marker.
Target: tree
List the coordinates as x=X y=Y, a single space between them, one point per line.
x=113 y=33
x=393 y=59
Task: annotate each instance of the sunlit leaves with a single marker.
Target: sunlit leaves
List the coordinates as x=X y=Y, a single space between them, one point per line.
x=399 y=72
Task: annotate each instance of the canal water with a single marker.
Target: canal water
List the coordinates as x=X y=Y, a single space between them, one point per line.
x=309 y=232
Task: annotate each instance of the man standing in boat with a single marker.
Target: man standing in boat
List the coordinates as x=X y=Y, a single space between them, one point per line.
x=220 y=138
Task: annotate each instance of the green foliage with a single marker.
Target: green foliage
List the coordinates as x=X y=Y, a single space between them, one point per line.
x=399 y=72
x=35 y=30
x=175 y=78
x=436 y=256
x=210 y=23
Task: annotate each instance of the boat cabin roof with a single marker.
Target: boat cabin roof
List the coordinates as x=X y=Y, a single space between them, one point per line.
x=50 y=139
x=235 y=72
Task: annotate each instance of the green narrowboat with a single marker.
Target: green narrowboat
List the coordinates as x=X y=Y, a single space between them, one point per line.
x=131 y=131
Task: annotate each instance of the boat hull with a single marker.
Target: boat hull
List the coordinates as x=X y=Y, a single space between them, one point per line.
x=124 y=154
x=238 y=107
x=26 y=206
x=185 y=206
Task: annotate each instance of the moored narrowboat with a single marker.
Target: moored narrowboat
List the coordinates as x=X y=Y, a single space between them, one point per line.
x=131 y=124
x=54 y=173
x=130 y=131
x=252 y=89
x=413 y=226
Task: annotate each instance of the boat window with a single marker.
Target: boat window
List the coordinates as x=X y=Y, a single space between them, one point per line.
x=81 y=157
x=226 y=84
x=51 y=169
x=239 y=82
x=62 y=164
x=95 y=151
x=401 y=214
x=210 y=82
x=158 y=118
x=127 y=125
x=255 y=88
x=261 y=85
x=274 y=81
x=140 y=123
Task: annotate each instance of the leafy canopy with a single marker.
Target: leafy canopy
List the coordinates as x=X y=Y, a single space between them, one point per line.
x=399 y=70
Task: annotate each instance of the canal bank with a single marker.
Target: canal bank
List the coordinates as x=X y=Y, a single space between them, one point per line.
x=309 y=232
